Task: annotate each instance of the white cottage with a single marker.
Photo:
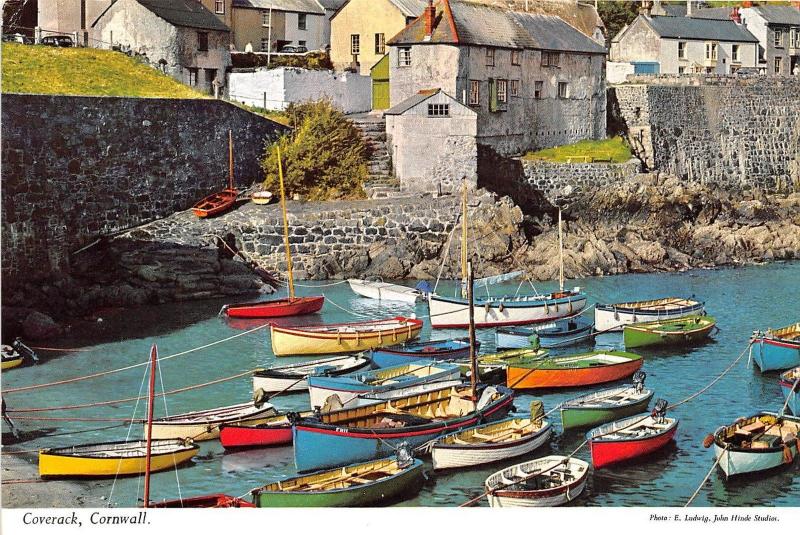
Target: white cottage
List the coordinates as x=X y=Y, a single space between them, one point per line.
x=433 y=142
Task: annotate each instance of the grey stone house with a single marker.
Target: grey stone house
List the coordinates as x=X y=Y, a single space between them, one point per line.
x=432 y=141
x=665 y=44
x=778 y=31
x=180 y=37
x=533 y=80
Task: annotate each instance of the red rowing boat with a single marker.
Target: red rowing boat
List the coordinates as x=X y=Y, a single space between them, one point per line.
x=630 y=438
x=211 y=501
x=276 y=308
x=257 y=436
x=222 y=201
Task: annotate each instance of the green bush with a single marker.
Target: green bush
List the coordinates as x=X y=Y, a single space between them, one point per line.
x=325 y=156
x=314 y=61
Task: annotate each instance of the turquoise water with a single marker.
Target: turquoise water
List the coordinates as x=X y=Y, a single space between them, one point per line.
x=741 y=299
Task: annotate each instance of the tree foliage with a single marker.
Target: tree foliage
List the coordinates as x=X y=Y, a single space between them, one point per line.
x=616 y=14
x=325 y=157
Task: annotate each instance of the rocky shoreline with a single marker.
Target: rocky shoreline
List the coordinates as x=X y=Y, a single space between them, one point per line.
x=655 y=223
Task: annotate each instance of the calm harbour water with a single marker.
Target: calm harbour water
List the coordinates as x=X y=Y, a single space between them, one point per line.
x=741 y=299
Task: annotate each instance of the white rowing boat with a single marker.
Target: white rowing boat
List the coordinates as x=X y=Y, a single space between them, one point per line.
x=545 y=482
x=204 y=425
x=384 y=291
x=294 y=377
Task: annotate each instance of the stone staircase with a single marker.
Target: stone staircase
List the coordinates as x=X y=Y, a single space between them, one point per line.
x=381 y=182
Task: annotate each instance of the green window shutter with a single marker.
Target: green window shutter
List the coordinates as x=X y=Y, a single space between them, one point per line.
x=492 y=95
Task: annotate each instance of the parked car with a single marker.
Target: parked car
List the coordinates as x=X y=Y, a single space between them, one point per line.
x=17 y=38
x=300 y=49
x=289 y=49
x=58 y=40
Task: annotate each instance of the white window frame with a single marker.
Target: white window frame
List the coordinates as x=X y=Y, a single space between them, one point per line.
x=474 y=93
x=438 y=110
x=404 y=56
x=778 y=38
x=502 y=91
x=712 y=50
x=682 y=50
x=380 y=43
x=735 y=53
x=563 y=94
x=304 y=25
x=355 y=44
x=266 y=19
x=516 y=57
x=489 y=56
x=777 y=64
x=514 y=88
x=538 y=90
x=219 y=7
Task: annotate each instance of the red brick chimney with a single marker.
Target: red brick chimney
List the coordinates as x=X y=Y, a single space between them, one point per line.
x=429 y=15
x=735 y=16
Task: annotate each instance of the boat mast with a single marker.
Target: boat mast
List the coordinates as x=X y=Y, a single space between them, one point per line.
x=285 y=227
x=150 y=396
x=560 y=254
x=464 y=237
x=473 y=364
x=230 y=159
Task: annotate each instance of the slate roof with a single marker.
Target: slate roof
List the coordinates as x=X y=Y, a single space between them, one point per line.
x=292 y=6
x=186 y=13
x=332 y=4
x=701 y=29
x=469 y=23
x=779 y=14
x=410 y=8
x=411 y=101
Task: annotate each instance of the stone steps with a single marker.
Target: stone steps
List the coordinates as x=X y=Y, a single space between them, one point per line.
x=381 y=182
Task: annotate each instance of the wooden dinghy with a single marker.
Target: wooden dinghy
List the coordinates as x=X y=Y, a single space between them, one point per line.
x=384 y=291
x=566 y=332
x=612 y=317
x=606 y=405
x=293 y=377
x=275 y=308
x=261 y=197
x=790 y=387
x=373 y=482
x=349 y=387
x=777 y=349
x=351 y=435
x=575 y=370
x=238 y=436
x=211 y=501
x=686 y=330
x=545 y=482
x=755 y=444
x=114 y=458
x=222 y=201
x=492 y=366
x=204 y=425
x=432 y=350
x=342 y=337
x=11 y=358
x=631 y=437
x=493 y=442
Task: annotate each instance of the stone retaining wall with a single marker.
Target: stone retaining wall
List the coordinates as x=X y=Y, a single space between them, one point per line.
x=557 y=180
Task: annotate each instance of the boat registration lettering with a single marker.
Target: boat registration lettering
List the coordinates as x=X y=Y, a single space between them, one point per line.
x=342 y=430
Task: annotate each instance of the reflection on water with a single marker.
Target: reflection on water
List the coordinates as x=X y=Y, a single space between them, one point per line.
x=742 y=300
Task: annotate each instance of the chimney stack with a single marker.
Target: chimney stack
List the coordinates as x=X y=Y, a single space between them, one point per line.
x=429 y=15
x=796 y=4
x=689 y=8
x=645 y=7
x=747 y=3
x=735 y=16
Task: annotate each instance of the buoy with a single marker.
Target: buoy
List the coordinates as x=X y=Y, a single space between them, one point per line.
x=708 y=441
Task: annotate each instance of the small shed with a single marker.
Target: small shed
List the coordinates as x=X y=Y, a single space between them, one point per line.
x=433 y=142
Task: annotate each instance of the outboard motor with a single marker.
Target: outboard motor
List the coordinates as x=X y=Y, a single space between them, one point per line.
x=24 y=350
x=405 y=455
x=660 y=411
x=537 y=410
x=638 y=380
x=424 y=287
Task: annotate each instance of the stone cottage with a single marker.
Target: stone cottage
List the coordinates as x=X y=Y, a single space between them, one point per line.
x=71 y=17
x=180 y=37
x=777 y=29
x=657 y=42
x=270 y=25
x=533 y=80
x=432 y=141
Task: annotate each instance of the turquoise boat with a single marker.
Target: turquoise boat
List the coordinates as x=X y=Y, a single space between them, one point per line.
x=777 y=349
x=790 y=387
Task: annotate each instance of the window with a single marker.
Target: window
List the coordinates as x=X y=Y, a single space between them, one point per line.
x=762 y=58
x=778 y=65
x=404 y=56
x=355 y=44
x=537 y=90
x=219 y=7
x=490 y=57
x=550 y=59
x=265 y=19
x=681 y=70
x=474 y=93
x=380 y=44
x=193 y=76
x=301 y=21
x=438 y=110
x=563 y=90
x=301 y=43
x=794 y=38
x=516 y=57
x=513 y=87
x=778 y=38
x=202 y=41
x=681 y=49
x=264 y=44
x=735 y=52
x=711 y=51
x=502 y=91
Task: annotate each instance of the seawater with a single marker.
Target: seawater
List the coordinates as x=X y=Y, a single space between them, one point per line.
x=742 y=300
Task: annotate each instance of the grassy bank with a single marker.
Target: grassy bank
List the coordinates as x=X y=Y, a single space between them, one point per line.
x=606 y=150
x=84 y=71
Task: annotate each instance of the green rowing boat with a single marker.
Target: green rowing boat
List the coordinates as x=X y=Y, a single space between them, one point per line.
x=607 y=405
x=668 y=332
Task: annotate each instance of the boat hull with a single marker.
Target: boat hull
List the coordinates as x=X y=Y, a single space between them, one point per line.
x=216 y=203
x=407 y=482
x=531 y=377
x=609 y=452
x=276 y=308
x=272 y=380
x=611 y=318
x=208 y=430
x=790 y=392
x=434 y=350
x=212 y=501
x=565 y=493
x=384 y=291
x=288 y=341
x=642 y=335
x=771 y=354
x=240 y=436
x=10 y=363
x=448 y=312
x=55 y=465
x=577 y=418
x=505 y=339
x=445 y=456
x=734 y=463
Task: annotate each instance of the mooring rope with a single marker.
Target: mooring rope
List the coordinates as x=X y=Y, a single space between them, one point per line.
x=712 y=383
x=132 y=366
x=702 y=484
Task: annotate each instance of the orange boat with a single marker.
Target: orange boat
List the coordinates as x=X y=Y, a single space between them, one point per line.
x=574 y=370
x=222 y=201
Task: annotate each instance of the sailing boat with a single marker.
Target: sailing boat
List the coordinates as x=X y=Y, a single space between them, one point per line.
x=287 y=306
x=448 y=312
x=222 y=201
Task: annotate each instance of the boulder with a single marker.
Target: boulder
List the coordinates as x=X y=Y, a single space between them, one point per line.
x=39 y=326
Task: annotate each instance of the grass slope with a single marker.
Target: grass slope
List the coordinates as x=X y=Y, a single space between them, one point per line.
x=84 y=71
x=605 y=150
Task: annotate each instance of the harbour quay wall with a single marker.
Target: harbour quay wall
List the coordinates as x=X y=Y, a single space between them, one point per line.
x=736 y=132
x=75 y=168
x=559 y=180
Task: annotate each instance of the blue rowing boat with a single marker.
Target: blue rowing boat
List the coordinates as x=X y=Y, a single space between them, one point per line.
x=790 y=386
x=559 y=333
x=433 y=350
x=777 y=349
x=348 y=436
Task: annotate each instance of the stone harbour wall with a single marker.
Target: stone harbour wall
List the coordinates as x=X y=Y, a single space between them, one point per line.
x=75 y=168
x=739 y=133
x=558 y=180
